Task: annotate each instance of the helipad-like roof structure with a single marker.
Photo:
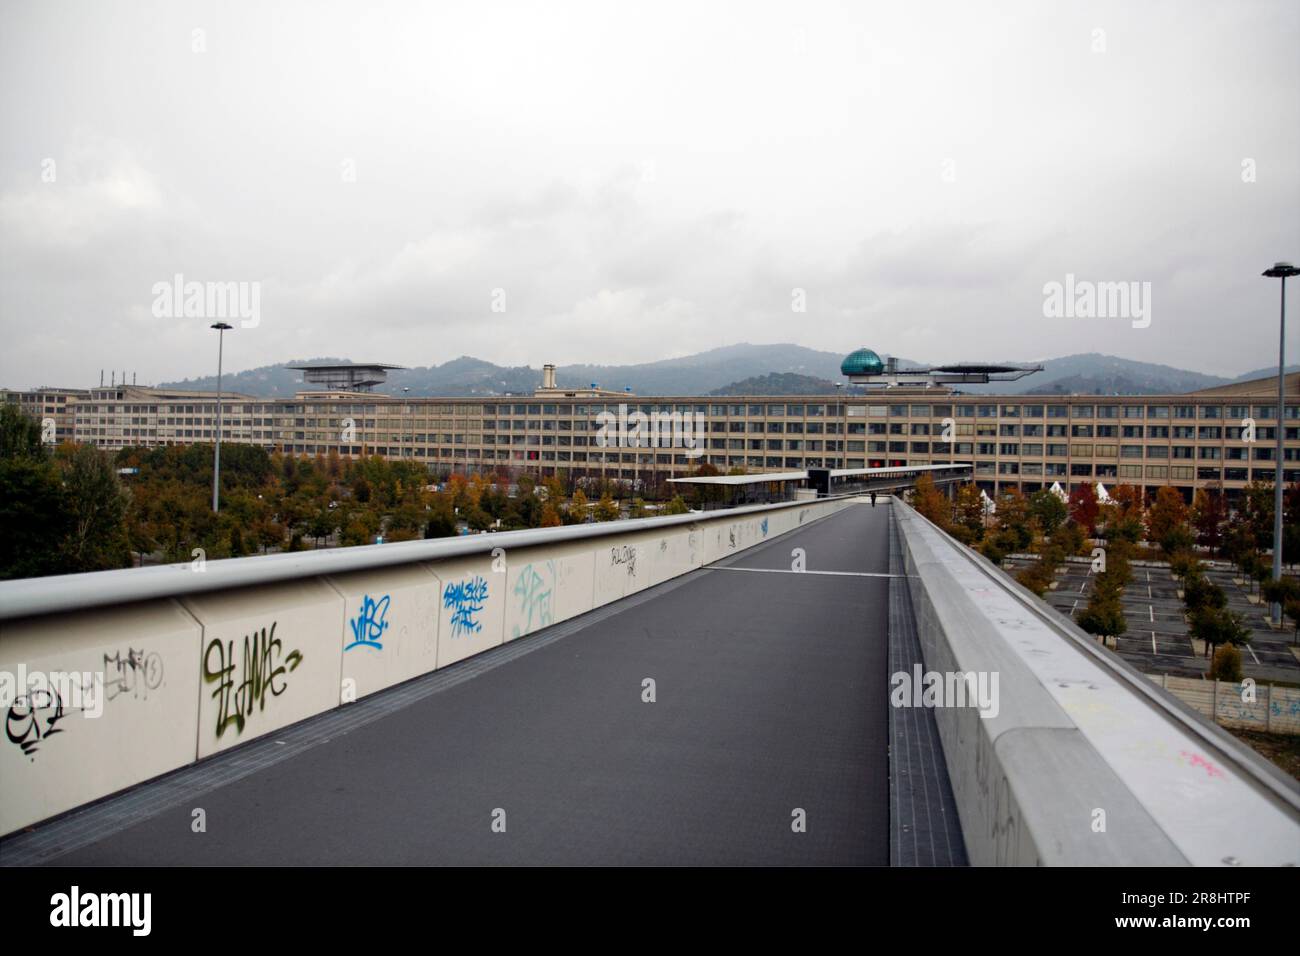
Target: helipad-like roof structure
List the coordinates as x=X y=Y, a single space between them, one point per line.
x=348 y=378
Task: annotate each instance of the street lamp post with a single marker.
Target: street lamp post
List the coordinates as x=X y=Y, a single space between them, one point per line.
x=221 y=328
x=1280 y=270
x=406 y=411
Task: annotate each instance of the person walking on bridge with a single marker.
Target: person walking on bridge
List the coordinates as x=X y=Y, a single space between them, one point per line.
x=873 y=499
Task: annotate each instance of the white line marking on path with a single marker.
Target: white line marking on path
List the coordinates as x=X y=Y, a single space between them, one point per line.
x=846 y=574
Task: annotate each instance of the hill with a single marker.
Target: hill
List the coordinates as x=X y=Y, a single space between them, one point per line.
x=728 y=371
x=779 y=383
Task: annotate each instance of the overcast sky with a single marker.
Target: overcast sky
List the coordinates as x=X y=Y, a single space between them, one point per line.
x=642 y=180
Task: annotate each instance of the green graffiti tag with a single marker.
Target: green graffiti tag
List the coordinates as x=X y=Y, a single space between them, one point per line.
x=263 y=670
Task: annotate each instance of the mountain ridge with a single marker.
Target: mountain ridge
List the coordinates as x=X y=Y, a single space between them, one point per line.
x=723 y=368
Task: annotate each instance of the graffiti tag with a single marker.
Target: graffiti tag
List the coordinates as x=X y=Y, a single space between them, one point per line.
x=465 y=599
x=136 y=674
x=32 y=718
x=369 y=624
x=264 y=666
x=535 y=599
x=626 y=556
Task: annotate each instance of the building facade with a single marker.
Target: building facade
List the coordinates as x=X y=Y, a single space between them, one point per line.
x=1217 y=437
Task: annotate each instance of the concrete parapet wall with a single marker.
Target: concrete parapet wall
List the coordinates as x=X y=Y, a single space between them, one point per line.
x=198 y=659
x=1081 y=761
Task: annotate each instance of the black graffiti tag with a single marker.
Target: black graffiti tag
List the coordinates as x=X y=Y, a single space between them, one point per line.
x=263 y=670
x=625 y=555
x=33 y=717
x=135 y=674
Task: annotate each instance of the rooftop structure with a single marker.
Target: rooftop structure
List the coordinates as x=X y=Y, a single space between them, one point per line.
x=347 y=378
x=549 y=389
x=865 y=367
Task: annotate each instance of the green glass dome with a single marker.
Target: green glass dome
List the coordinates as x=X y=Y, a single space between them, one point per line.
x=862 y=362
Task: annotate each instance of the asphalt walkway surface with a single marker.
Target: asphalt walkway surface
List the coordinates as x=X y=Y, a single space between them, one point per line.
x=770 y=708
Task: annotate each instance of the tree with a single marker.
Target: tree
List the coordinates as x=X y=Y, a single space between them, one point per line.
x=237 y=548
x=32 y=518
x=1013 y=521
x=20 y=434
x=1263 y=574
x=1250 y=564
x=321 y=524
x=1199 y=592
x=1209 y=515
x=478 y=519
x=1291 y=523
x=1217 y=626
x=554 y=492
x=1084 y=508
x=1112 y=581
x=140 y=532
x=709 y=493
x=1036 y=578
x=1071 y=538
x=970 y=511
x=1257 y=511
x=96 y=504
x=270 y=534
x=33 y=523
x=578 y=511
x=1168 y=514
x=991 y=548
x=1184 y=563
x=1048 y=510
x=930 y=503
x=1120 y=523
x=676 y=507
x=442 y=520
x=1104 y=616
x=1128 y=499
x=1292 y=609
x=1178 y=538
x=605 y=509
x=550 y=515
x=406 y=522
x=1239 y=544
x=1282 y=591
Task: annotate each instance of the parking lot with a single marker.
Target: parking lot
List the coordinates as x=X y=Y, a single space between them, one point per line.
x=1156 y=641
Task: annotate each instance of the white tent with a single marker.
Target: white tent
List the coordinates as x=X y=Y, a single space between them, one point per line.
x=1057 y=490
x=987 y=502
x=1102 y=494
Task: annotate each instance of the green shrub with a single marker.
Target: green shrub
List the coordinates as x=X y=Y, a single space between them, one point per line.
x=1226 y=664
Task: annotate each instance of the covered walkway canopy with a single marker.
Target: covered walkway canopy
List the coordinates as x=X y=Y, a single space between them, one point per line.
x=727 y=491
x=733 y=490
x=839 y=481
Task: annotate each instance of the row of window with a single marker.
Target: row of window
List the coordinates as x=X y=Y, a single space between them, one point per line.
x=784 y=410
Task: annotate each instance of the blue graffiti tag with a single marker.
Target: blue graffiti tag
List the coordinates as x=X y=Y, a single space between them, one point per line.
x=764 y=526
x=369 y=625
x=465 y=599
x=535 y=599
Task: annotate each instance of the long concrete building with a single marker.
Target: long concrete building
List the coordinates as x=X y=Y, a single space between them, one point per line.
x=1216 y=437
